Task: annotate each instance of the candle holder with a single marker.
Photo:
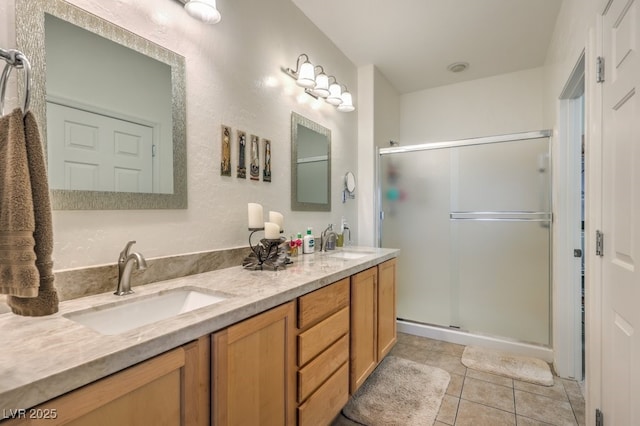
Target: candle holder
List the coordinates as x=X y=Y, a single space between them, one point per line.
x=267 y=254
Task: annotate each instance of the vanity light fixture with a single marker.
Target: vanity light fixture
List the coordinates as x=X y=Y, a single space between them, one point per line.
x=316 y=83
x=321 y=88
x=335 y=94
x=347 y=101
x=203 y=10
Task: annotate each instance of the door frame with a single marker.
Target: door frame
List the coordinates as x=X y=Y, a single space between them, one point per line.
x=593 y=222
x=567 y=306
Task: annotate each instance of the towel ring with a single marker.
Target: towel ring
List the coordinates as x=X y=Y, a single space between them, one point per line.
x=16 y=59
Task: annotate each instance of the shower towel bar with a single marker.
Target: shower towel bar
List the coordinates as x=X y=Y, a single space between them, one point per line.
x=502 y=216
x=15 y=59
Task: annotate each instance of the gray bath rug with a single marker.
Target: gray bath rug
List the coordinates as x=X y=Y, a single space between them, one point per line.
x=399 y=392
x=506 y=364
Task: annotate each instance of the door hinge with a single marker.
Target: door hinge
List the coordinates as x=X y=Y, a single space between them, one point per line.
x=600 y=69
x=599 y=244
x=599 y=418
x=154 y=150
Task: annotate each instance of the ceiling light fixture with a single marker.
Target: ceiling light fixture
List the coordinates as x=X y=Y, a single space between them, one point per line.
x=203 y=10
x=317 y=84
x=458 y=66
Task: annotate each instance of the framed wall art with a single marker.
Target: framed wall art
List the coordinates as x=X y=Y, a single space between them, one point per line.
x=266 y=172
x=254 y=166
x=225 y=158
x=242 y=163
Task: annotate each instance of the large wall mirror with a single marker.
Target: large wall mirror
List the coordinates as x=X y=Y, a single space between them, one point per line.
x=310 y=165
x=111 y=110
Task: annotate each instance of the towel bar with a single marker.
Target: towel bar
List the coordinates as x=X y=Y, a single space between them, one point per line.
x=15 y=59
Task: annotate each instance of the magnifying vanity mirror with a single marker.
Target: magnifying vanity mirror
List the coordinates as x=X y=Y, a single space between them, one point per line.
x=349 y=187
x=111 y=110
x=350 y=182
x=310 y=165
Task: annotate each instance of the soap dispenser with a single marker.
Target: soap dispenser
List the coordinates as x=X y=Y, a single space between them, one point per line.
x=308 y=245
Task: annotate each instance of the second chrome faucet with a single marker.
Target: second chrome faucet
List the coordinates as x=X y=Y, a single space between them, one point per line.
x=126 y=261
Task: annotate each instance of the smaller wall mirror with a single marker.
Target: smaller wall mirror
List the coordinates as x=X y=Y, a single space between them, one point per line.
x=349 y=187
x=310 y=165
x=350 y=182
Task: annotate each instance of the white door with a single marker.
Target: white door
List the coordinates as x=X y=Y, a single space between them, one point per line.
x=89 y=151
x=621 y=215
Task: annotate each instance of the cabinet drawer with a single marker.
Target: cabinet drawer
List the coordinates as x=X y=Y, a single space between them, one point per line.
x=324 y=365
x=325 y=404
x=319 y=304
x=321 y=336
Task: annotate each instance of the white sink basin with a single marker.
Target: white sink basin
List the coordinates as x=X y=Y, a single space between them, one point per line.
x=126 y=315
x=351 y=254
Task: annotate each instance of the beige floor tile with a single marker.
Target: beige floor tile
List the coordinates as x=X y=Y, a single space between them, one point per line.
x=450 y=363
x=448 y=410
x=573 y=389
x=491 y=378
x=437 y=423
x=525 y=421
x=472 y=414
x=489 y=394
x=410 y=339
x=544 y=409
x=412 y=353
x=576 y=399
x=455 y=385
x=446 y=347
x=556 y=391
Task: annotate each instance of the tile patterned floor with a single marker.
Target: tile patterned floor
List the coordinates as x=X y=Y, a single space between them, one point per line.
x=476 y=398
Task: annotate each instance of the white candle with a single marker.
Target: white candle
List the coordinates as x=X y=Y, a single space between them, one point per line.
x=277 y=218
x=255 y=215
x=271 y=231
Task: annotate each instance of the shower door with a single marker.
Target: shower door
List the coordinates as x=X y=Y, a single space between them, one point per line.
x=472 y=219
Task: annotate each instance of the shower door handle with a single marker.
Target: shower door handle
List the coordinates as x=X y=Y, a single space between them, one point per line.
x=577 y=253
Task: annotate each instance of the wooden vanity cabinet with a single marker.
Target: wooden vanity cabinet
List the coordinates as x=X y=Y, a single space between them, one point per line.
x=387 y=314
x=323 y=353
x=254 y=370
x=171 y=388
x=373 y=320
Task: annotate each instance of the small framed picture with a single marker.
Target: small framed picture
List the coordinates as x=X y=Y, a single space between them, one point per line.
x=266 y=171
x=254 y=166
x=225 y=158
x=242 y=164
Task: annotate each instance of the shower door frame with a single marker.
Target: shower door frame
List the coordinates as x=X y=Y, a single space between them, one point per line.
x=514 y=137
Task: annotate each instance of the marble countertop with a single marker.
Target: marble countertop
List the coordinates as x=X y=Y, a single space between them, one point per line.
x=44 y=357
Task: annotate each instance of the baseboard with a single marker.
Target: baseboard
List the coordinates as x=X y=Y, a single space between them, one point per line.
x=465 y=338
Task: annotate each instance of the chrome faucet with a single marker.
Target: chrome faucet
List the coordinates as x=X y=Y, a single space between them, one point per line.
x=125 y=266
x=328 y=239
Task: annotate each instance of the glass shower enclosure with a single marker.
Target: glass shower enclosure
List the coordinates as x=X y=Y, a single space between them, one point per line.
x=473 y=221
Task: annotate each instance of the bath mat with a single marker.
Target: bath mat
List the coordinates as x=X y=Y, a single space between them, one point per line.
x=399 y=392
x=506 y=364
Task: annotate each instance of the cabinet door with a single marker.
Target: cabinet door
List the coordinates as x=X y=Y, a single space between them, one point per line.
x=254 y=370
x=364 y=349
x=163 y=390
x=386 y=307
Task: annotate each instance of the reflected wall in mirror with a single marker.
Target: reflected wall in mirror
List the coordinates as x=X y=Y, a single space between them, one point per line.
x=114 y=107
x=310 y=165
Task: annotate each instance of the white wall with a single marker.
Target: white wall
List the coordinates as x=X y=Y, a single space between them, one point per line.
x=501 y=104
x=378 y=124
x=233 y=78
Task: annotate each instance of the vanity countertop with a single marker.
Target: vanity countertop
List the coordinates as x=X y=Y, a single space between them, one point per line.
x=44 y=357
